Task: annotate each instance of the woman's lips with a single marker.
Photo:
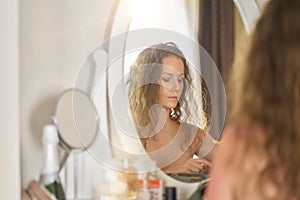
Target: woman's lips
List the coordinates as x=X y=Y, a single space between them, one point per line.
x=173 y=98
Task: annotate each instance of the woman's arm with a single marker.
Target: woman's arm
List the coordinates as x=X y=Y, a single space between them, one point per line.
x=200 y=164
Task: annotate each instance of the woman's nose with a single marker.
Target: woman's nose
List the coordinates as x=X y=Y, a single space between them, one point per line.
x=175 y=85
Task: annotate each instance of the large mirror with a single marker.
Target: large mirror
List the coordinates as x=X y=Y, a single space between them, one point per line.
x=132 y=32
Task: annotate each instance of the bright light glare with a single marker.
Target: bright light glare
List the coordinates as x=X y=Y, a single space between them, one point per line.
x=143 y=10
x=158 y=14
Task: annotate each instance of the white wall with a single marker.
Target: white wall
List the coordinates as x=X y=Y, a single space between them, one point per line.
x=55 y=38
x=9 y=102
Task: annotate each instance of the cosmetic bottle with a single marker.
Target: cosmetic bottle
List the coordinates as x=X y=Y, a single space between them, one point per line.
x=170 y=193
x=150 y=186
x=50 y=169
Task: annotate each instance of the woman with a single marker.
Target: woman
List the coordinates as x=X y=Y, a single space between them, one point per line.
x=161 y=103
x=259 y=157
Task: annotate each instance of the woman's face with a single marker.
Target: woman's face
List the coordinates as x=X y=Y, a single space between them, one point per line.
x=171 y=81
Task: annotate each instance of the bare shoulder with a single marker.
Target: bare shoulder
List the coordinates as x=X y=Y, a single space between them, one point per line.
x=237 y=161
x=192 y=128
x=239 y=145
x=195 y=132
x=196 y=137
x=241 y=134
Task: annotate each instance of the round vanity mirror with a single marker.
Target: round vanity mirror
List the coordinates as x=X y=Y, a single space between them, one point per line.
x=76 y=119
x=126 y=40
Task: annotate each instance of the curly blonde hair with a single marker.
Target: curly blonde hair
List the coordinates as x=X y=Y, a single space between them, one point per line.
x=266 y=91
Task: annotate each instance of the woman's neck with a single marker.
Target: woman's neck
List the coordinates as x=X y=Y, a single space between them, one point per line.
x=161 y=122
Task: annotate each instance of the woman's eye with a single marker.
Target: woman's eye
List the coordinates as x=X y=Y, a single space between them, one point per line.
x=180 y=80
x=165 y=79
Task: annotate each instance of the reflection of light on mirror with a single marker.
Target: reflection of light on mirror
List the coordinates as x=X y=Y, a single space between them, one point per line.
x=129 y=7
x=143 y=10
x=157 y=14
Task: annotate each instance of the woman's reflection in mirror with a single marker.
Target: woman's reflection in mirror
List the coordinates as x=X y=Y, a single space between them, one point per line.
x=165 y=111
x=259 y=157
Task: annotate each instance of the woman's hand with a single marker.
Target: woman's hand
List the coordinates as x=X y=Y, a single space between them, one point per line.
x=197 y=165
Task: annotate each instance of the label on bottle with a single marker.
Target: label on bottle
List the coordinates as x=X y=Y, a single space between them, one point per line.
x=153 y=187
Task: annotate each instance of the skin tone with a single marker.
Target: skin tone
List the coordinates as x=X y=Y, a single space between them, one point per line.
x=229 y=172
x=171 y=86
